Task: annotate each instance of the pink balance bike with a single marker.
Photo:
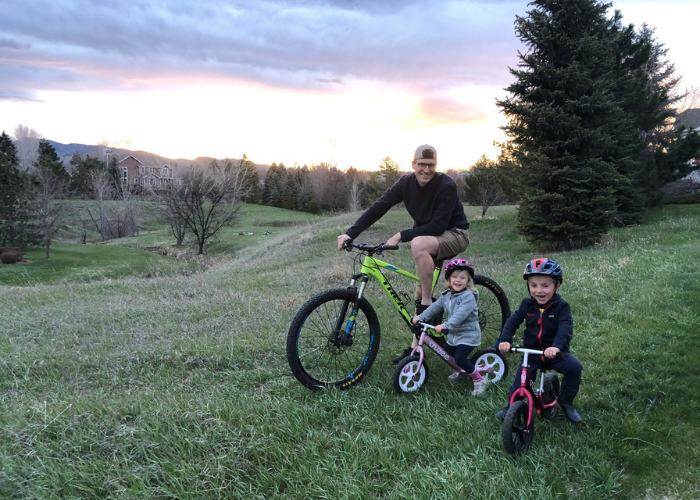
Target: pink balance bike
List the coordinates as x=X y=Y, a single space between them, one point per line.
x=519 y=422
x=411 y=373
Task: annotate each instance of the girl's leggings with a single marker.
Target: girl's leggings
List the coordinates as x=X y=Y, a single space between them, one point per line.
x=461 y=354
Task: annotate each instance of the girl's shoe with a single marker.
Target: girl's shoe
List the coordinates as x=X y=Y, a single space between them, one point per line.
x=457 y=376
x=480 y=386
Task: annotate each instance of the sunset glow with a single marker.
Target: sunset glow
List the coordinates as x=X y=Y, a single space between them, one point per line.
x=350 y=95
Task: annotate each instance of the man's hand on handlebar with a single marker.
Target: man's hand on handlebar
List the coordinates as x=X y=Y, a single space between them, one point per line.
x=394 y=240
x=504 y=347
x=342 y=239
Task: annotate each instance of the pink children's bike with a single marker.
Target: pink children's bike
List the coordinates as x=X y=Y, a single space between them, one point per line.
x=411 y=373
x=519 y=422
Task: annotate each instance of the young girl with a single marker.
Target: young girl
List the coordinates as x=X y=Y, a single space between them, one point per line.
x=458 y=301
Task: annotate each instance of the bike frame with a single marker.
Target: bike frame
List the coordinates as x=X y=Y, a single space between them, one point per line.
x=371 y=267
x=525 y=391
x=425 y=339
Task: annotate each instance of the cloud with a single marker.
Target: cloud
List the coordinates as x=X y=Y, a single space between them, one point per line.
x=436 y=111
x=100 y=44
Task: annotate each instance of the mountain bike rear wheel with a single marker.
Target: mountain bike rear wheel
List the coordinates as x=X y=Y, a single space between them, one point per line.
x=327 y=346
x=494 y=309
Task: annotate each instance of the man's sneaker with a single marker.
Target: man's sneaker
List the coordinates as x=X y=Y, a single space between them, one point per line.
x=406 y=352
x=501 y=414
x=457 y=376
x=571 y=413
x=480 y=386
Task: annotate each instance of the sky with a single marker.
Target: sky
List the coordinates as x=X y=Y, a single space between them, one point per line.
x=346 y=82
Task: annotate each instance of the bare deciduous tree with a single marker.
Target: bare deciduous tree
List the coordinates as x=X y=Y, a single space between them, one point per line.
x=206 y=199
x=482 y=184
x=27 y=143
x=46 y=188
x=103 y=191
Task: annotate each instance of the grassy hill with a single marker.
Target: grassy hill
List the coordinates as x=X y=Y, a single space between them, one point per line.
x=169 y=380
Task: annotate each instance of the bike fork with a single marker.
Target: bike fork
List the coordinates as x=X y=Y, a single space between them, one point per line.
x=340 y=320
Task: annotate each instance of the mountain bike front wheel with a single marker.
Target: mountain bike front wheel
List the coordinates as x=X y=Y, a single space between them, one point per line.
x=333 y=340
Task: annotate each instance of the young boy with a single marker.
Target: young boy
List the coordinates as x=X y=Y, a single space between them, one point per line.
x=549 y=328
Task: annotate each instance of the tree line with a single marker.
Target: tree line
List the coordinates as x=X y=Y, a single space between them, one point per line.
x=590 y=144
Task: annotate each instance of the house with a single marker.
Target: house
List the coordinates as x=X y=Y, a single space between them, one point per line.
x=690 y=118
x=136 y=172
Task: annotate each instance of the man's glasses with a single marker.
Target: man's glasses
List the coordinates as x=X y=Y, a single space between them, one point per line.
x=425 y=165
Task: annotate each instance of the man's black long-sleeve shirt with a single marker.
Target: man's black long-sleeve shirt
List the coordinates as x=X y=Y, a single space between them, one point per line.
x=435 y=207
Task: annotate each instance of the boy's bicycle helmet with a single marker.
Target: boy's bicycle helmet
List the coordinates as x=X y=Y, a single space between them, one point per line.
x=542 y=266
x=456 y=264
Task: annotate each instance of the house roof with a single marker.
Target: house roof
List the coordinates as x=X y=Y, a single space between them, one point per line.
x=130 y=156
x=689 y=118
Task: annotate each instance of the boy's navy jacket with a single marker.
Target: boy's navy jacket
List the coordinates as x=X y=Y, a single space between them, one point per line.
x=549 y=327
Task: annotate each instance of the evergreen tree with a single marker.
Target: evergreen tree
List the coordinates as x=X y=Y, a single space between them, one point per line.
x=568 y=129
x=81 y=180
x=306 y=200
x=49 y=159
x=16 y=228
x=249 y=173
x=115 y=174
x=382 y=179
x=291 y=188
x=273 y=187
x=667 y=149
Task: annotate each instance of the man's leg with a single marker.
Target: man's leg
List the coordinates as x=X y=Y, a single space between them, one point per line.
x=424 y=250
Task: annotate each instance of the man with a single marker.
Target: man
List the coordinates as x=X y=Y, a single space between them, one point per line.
x=440 y=228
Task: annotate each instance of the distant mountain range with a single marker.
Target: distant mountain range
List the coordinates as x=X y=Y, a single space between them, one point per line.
x=66 y=151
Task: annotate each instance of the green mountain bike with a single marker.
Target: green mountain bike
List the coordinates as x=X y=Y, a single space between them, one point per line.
x=334 y=338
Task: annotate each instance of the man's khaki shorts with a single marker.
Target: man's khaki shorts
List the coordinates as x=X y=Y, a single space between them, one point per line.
x=452 y=242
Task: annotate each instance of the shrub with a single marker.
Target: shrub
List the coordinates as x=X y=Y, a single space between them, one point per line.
x=10 y=255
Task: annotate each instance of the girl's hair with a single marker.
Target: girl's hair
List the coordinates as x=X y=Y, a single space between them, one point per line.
x=470 y=281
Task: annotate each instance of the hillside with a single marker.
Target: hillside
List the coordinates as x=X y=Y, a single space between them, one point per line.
x=66 y=151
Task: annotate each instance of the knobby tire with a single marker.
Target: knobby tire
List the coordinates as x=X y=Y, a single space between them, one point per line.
x=322 y=355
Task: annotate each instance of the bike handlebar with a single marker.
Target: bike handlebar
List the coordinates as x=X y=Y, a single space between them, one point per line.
x=426 y=326
x=536 y=352
x=517 y=348
x=370 y=249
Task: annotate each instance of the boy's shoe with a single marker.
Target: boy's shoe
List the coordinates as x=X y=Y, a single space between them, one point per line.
x=571 y=413
x=457 y=376
x=406 y=352
x=501 y=414
x=480 y=386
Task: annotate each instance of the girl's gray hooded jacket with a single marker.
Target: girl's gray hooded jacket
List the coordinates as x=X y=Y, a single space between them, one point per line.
x=462 y=314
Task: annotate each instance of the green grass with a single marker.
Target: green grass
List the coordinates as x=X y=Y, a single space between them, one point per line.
x=73 y=262
x=115 y=385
